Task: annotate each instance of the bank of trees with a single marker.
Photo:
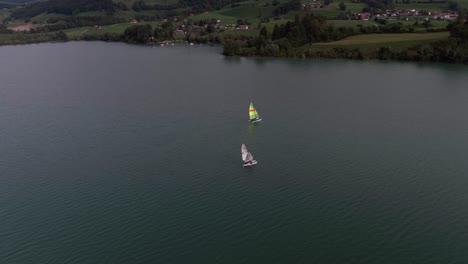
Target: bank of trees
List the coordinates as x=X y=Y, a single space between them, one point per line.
x=286 y=39
x=293 y=39
x=145 y=33
x=284 y=8
x=25 y=38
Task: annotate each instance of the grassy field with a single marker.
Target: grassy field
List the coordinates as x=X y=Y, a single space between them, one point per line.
x=328 y=12
x=351 y=23
x=42 y=18
x=77 y=33
x=3 y=14
x=333 y=10
x=401 y=40
x=4 y=37
x=216 y=15
x=238 y=32
x=91 y=14
x=270 y=25
x=425 y=7
x=251 y=13
x=436 y=24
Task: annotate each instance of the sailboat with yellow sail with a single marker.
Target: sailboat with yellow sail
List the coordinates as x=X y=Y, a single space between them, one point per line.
x=254 y=117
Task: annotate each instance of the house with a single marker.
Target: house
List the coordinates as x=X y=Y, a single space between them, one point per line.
x=133 y=21
x=243 y=27
x=443 y=15
x=362 y=16
x=312 y=5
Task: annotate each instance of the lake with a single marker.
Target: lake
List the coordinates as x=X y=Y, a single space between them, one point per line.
x=113 y=153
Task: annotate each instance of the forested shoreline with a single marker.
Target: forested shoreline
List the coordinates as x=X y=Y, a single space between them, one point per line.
x=304 y=35
x=296 y=40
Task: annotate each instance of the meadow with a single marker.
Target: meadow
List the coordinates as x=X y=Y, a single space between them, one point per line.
x=78 y=33
x=397 y=40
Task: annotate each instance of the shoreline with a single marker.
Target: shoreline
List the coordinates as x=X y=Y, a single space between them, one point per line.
x=317 y=52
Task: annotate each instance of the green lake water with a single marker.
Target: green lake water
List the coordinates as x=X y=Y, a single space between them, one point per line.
x=113 y=153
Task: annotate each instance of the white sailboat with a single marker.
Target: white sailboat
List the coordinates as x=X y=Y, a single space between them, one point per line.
x=247 y=157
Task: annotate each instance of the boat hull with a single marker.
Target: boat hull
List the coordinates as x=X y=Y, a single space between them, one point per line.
x=255 y=120
x=250 y=164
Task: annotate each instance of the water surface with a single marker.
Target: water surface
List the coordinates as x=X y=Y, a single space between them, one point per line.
x=112 y=153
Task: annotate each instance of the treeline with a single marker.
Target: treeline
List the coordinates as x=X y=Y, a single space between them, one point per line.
x=286 y=39
x=56 y=24
x=284 y=8
x=137 y=34
x=378 y=4
x=26 y=38
x=206 y=5
x=449 y=51
x=142 y=5
x=65 y=7
x=293 y=39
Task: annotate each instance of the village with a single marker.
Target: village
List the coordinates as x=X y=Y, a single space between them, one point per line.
x=394 y=14
x=406 y=15
x=187 y=26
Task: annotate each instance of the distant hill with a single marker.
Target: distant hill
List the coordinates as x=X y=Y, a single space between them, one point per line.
x=65 y=7
x=74 y=7
x=203 y=5
x=18 y=1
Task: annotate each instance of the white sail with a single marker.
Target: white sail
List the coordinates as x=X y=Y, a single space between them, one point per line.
x=245 y=153
x=247 y=157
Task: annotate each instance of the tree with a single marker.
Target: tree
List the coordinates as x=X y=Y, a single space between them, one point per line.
x=459 y=31
x=327 y=2
x=427 y=24
x=342 y=6
x=264 y=32
x=138 y=33
x=210 y=28
x=454 y=6
x=232 y=47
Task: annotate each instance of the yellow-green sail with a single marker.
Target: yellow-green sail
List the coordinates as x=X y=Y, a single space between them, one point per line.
x=252 y=112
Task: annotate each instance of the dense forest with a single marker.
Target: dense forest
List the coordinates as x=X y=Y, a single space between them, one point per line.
x=66 y=7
